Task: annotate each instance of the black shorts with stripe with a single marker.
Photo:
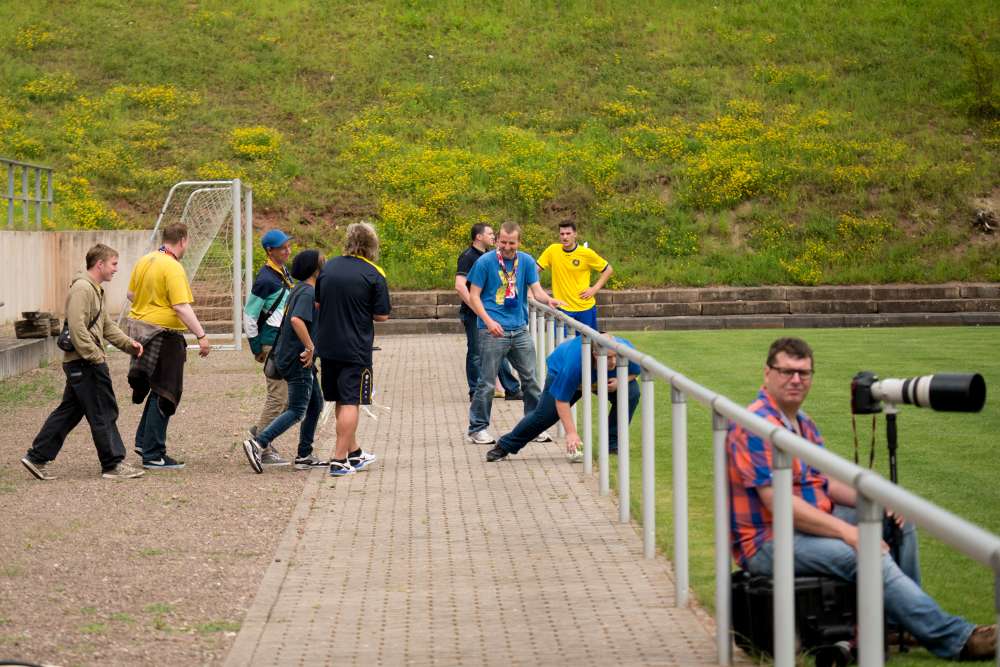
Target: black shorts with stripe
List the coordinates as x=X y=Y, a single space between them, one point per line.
x=346 y=383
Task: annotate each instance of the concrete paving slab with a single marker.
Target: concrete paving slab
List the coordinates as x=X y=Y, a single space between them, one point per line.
x=434 y=557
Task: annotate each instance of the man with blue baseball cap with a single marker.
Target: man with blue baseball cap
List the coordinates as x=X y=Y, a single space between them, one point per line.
x=262 y=320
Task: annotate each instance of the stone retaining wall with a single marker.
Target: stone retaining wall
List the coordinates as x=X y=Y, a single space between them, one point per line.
x=742 y=307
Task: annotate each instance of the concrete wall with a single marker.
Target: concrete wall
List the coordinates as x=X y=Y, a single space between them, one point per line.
x=36 y=267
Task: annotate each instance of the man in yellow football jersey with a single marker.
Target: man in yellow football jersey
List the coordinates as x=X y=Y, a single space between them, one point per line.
x=571 y=266
x=161 y=311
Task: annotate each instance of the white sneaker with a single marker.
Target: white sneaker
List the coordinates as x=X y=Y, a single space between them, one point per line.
x=480 y=438
x=339 y=469
x=544 y=437
x=363 y=460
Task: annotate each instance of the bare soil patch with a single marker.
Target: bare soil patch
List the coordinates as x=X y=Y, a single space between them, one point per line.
x=156 y=570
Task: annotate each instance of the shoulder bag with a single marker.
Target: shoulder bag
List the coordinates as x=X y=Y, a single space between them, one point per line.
x=63 y=342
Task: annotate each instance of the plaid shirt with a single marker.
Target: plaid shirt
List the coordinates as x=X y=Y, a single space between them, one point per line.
x=750 y=467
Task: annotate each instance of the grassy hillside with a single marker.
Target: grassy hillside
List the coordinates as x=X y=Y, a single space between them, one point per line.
x=696 y=142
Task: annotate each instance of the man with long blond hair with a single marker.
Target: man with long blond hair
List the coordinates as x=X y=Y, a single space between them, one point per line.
x=351 y=294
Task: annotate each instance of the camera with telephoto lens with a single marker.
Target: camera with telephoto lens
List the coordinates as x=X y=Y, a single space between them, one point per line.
x=944 y=392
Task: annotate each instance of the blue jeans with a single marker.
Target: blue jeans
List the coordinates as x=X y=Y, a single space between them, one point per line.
x=516 y=346
x=905 y=603
x=151 y=436
x=305 y=404
x=510 y=383
x=545 y=416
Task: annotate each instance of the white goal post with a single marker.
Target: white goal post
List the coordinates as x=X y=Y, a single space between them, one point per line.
x=219 y=217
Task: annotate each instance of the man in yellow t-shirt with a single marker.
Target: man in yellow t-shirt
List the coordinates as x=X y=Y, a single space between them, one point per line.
x=571 y=266
x=161 y=311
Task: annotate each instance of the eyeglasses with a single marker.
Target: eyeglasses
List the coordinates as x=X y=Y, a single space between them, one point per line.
x=789 y=373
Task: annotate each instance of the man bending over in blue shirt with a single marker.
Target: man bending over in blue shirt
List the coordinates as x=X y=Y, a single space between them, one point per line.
x=563 y=388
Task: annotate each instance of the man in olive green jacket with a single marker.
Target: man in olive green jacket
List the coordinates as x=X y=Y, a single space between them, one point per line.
x=89 y=392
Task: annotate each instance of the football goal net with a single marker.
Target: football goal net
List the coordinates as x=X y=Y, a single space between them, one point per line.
x=219 y=259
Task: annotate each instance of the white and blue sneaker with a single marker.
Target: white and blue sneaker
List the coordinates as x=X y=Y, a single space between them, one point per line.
x=340 y=468
x=361 y=460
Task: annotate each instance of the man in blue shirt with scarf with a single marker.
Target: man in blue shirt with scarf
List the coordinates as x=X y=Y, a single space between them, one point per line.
x=499 y=283
x=563 y=388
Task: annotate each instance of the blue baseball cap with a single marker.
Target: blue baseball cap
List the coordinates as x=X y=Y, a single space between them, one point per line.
x=275 y=238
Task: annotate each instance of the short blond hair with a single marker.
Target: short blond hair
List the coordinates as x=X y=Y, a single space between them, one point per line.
x=511 y=227
x=362 y=240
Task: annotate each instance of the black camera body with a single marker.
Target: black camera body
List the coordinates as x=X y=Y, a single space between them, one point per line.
x=862 y=402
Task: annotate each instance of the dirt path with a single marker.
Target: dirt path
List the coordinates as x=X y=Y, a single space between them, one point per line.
x=158 y=570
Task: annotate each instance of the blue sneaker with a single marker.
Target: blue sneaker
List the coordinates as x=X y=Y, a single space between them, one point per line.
x=162 y=462
x=340 y=468
x=361 y=460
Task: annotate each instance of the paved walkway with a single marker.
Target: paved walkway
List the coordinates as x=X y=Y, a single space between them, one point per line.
x=434 y=557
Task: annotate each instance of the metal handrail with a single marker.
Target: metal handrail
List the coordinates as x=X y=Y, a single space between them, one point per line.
x=874 y=493
x=37 y=200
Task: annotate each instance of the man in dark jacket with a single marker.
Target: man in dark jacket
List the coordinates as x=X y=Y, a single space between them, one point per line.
x=262 y=318
x=89 y=392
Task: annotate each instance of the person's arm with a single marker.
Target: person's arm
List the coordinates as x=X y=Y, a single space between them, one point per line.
x=841 y=494
x=601 y=279
x=573 y=442
x=302 y=331
x=186 y=314
x=462 y=287
x=812 y=520
x=130 y=294
x=379 y=318
x=477 y=305
x=542 y=297
x=117 y=337
x=77 y=319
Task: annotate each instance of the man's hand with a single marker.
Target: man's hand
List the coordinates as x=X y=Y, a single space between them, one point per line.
x=850 y=535
x=612 y=385
x=900 y=521
x=589 y=292
x=203 y=348
x=307 y=358
x=138 y=348
x=555 y=303
x=573 y=443
x=260 y=358
x=494 y=327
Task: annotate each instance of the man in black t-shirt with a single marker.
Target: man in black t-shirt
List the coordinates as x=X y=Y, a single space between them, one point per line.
x=482 y=238
x=351 y=294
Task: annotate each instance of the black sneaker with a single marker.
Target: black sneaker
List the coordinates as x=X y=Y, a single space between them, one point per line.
x=514 y=396
x=163 y=462
x=307 y=462
x=496 y=454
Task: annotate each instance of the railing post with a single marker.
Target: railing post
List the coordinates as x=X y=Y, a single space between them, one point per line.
x=24 y=196
x=624 y=495
x=603 y=482
x=237 y=270
x=784 y=561
x=38 y=199
x=679 y=423
x=52 y=215
x=540 y=344
x=531 y=323
x=560 y=337
x=586 y=430
x=10 y=196
x=870 y=648
x=723 y=571
x=550 y=335
x=648 y=465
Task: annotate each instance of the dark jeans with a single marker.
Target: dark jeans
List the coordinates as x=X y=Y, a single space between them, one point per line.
x=151 y=436
x=89 y=393
x=544 y=416
x=305 y=404
x=507 y=380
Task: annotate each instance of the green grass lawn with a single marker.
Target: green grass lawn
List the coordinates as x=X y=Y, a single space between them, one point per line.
x=947 y=458
x=746 y=142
